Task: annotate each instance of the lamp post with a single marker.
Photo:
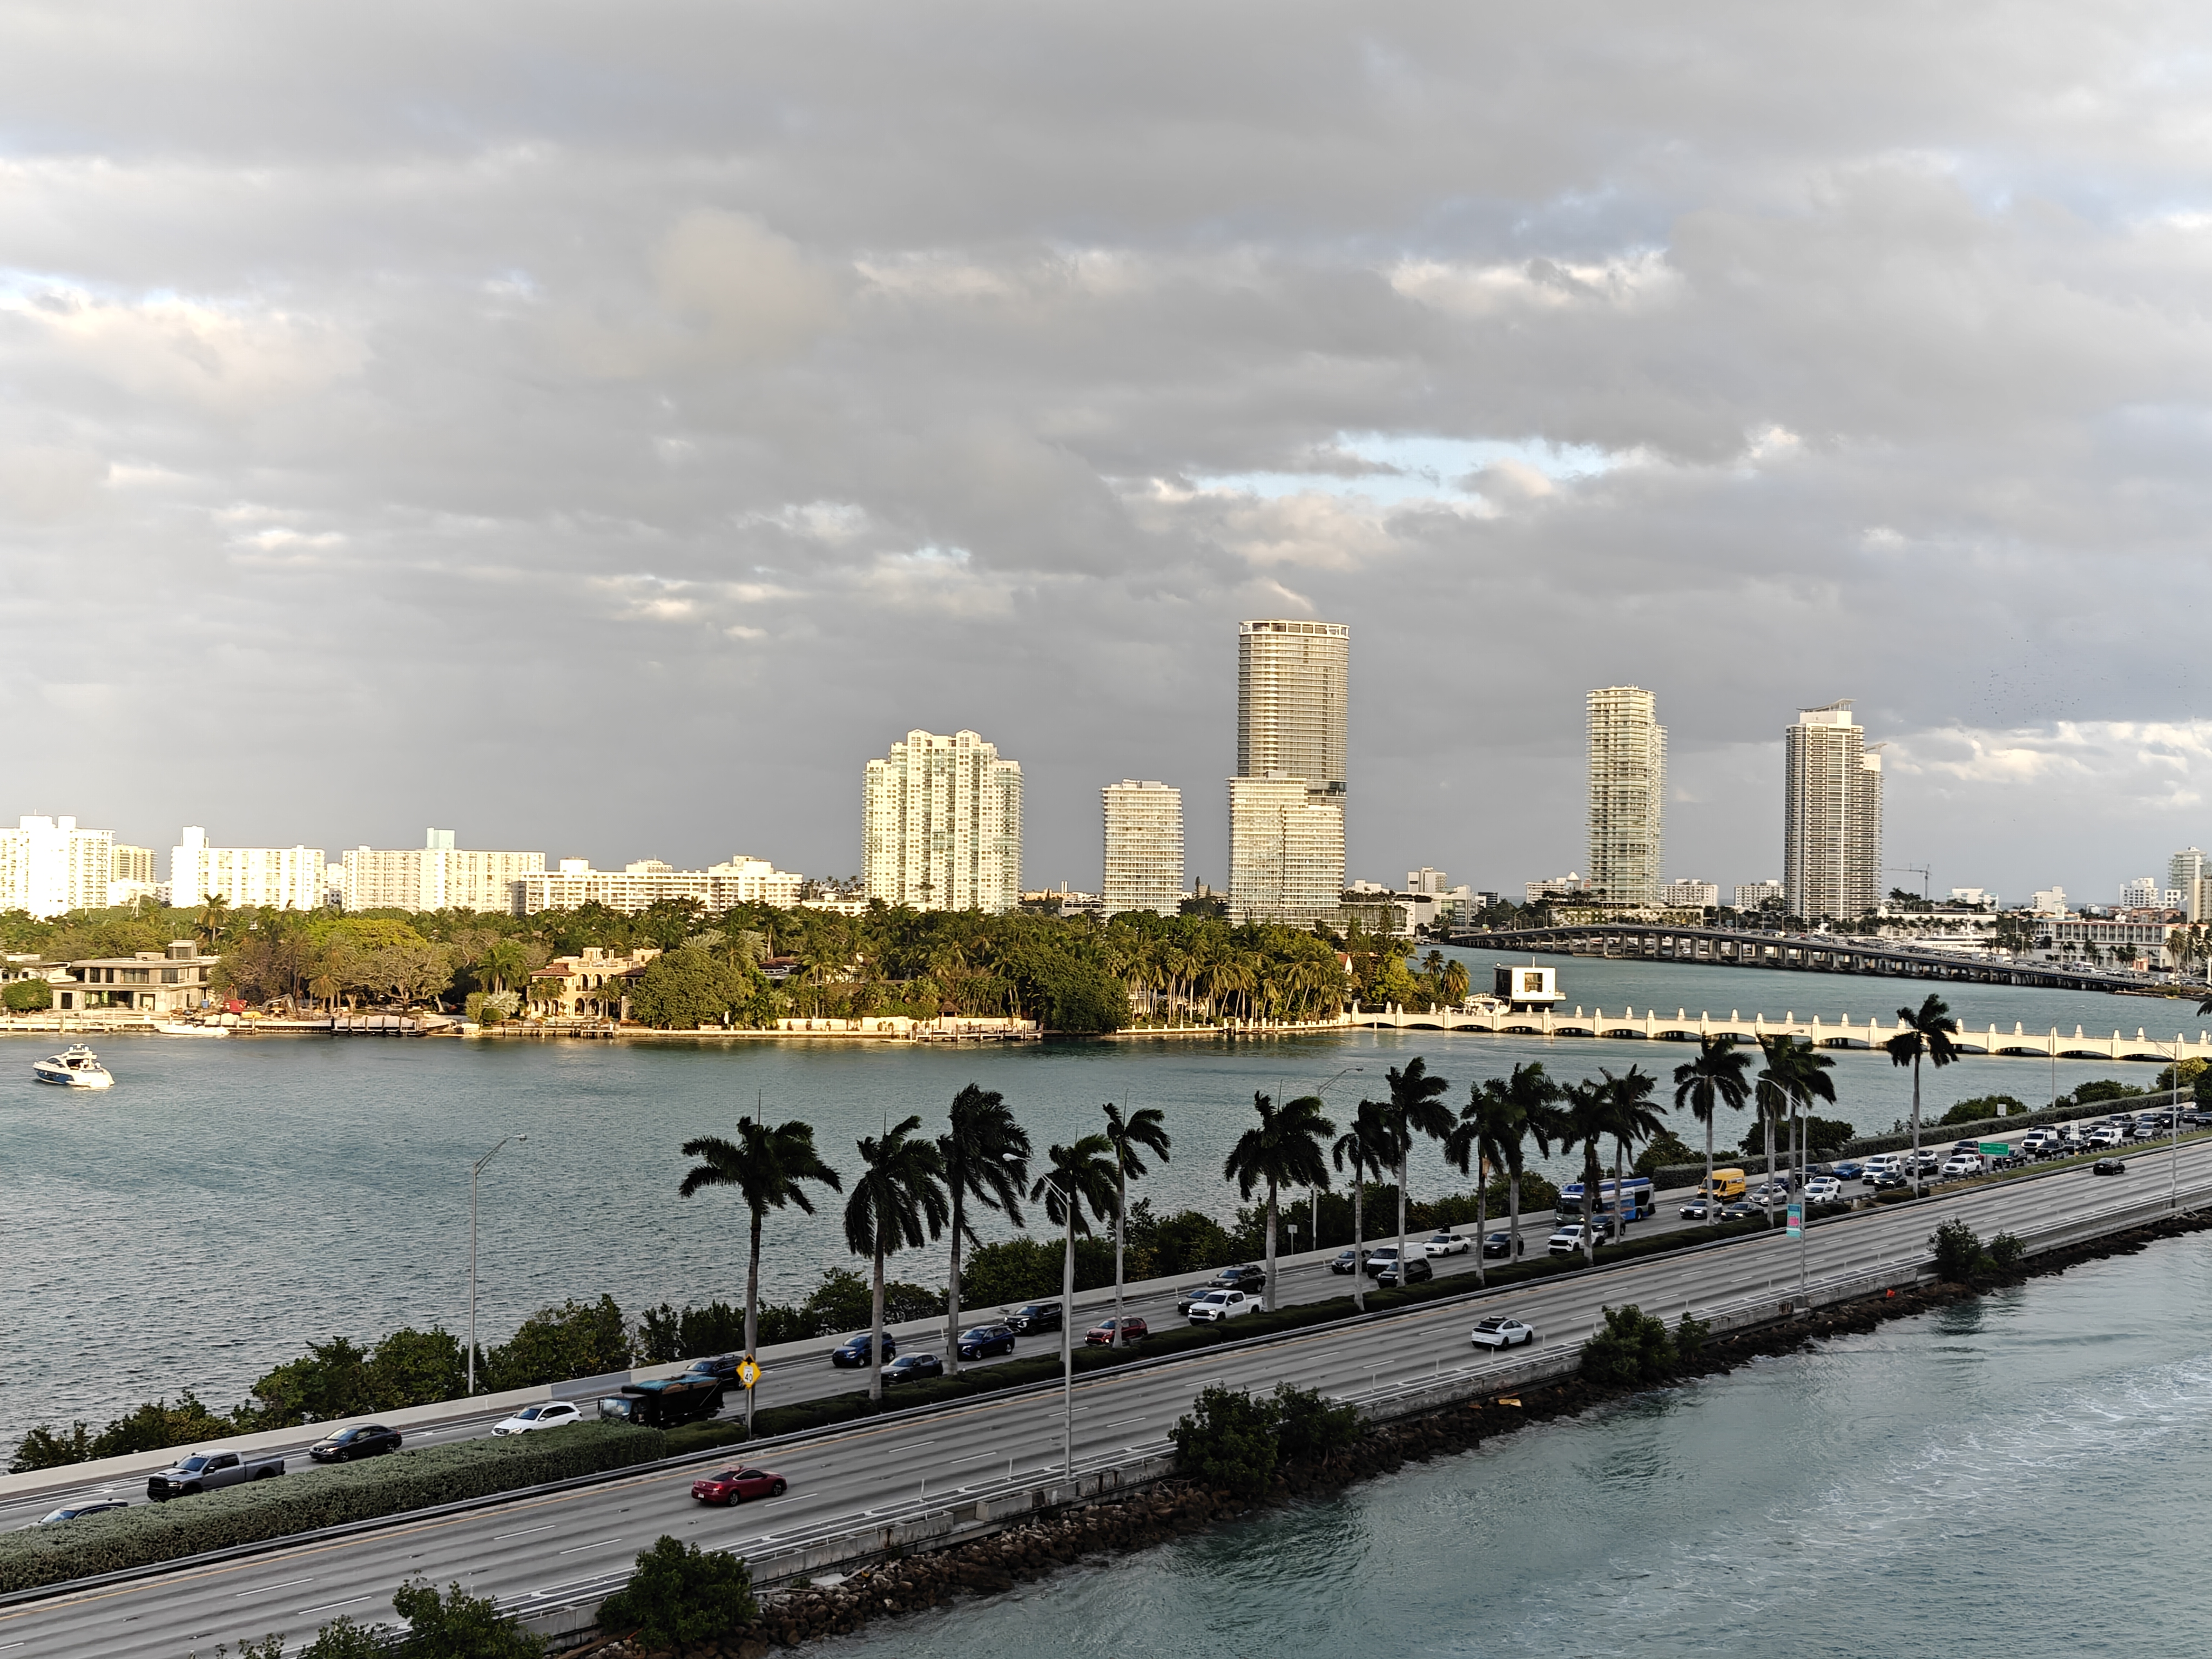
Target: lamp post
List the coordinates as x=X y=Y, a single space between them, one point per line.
x=475 y=1171
x=1314 y=1211
x=1067 y=1325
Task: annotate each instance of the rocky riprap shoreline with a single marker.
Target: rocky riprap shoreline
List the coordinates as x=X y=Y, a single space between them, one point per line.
x=1170 y=1509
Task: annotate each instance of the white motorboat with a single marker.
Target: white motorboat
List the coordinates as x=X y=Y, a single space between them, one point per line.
x=189 y=1028
x=74 y=1067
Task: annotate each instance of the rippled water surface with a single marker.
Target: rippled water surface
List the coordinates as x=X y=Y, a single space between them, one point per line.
x=2023 y=1475
x=229 y=1201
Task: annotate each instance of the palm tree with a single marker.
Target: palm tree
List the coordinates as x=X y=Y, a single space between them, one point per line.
x=1525 y=1110
x=1284 y=1151
x=1414 y=1107
x=1583 y=1124
x=1801 y=1071
x=1715 y=1076
x=766 y=1166
x=1633 y=1119
x=1145 y=1130
x=1365 y=1147
x=1772 y=1093
x=899 y=1191
x=986 y=1157
x=1081 y=1173
x=1474 y=1139
x=1928 y=1032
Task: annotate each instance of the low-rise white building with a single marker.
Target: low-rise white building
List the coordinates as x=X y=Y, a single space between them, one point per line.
x=49 y=865
x=638 y=886
x=1688 y=893
x=1752 y=895
x=267 y=877
x=435 y=876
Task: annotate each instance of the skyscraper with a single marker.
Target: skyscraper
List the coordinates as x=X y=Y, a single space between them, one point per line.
x=49 y=865
x=1627 y=795
x=1143 y=848
x=1286 y=851
x=1293 y=681
x=2184 y=874
x=1831 y=816
x=941 y=825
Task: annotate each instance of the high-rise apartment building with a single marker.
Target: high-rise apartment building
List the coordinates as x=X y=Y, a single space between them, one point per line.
x=1143 y=848
x=48 y=866
x=269 y=878
x=435 y=876
x=941 y=825
x=1831 y=816
x=1293 y=690
x=2184 y=874
x=1627 y=794
x=2142 y=893
x=1286 y=851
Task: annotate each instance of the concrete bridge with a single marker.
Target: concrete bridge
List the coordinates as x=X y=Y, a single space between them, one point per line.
x=1819 y=953
x=1682 y=1026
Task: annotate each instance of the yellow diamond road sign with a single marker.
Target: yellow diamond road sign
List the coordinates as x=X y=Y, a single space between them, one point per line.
x=748 y=1373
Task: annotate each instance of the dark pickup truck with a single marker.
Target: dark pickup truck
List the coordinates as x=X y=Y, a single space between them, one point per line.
x=666 y=1403
x=205 y=1471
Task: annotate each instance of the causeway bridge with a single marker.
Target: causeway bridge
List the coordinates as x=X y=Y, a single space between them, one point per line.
x=1680 y=1026
x=1819 y=953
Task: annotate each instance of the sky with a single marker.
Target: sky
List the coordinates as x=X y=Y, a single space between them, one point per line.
x=600 y=430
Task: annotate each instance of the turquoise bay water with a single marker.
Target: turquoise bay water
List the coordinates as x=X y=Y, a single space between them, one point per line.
x=229 y=1201
x=2021 y=1475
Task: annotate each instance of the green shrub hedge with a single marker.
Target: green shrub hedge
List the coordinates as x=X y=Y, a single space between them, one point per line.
x=315 y=1495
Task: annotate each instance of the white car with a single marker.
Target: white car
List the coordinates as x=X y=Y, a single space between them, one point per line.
x=1960 y=1164
x=1569 y=1238
x=1503 y=1333
x=2105 y=1135
x=558 y=1415
x=1823 y=1189
x=1882 y=1163
x=1450 y=1243
x=1217 y=1305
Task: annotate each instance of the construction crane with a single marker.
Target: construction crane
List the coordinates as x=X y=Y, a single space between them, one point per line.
x=1921 y=871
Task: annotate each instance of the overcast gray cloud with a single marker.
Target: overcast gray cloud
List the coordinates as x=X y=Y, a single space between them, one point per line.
x=600 y=430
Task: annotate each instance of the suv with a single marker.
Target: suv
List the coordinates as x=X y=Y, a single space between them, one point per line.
x=1417 y=1271
x=1959 y=1165
x=722 y=1366
x=1569 y=1238
x=1249 y=1277
x=1035 y=1317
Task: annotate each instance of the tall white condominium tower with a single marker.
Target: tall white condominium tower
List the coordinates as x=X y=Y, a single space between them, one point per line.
x=1286 y=851
x=1627 y=795
x=1831 y=816
x=272 y=877
x=1143 y=848
x=941 y=825
x=2184 y=874
x=48 y=866
x=1293 y=686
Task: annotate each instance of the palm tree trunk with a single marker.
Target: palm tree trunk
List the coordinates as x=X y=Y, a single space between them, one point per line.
x=1359 y=1236
x=1766 y=1209
x=1268 y=1288
x=1513 y=1209
x=1121 y=1209
x=1482 y=1220
x=1405 y=1279
x=1614 y=1230
x=952 y=1293
x=1591 y=1174
x=1067 y=1300
x=1916 y=1125
x=752 y=1289
x=1712 y=1209
x=876 y=1336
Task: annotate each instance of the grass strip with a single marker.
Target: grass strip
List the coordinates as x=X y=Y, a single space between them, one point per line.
x=318 y=1496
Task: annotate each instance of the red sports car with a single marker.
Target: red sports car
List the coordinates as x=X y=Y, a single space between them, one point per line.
x=1101 y=1335
x=734 y=1486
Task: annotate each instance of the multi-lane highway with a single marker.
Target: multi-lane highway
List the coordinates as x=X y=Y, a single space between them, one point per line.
x=542 y=1551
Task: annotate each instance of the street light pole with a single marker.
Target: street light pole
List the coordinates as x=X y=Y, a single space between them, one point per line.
x=475 y=1171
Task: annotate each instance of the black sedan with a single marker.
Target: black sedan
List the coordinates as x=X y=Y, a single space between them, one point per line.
x=73 y=1510
x=1418 y=1271
x=363 y=1440
x=853 y=1351
x=1501 y=1244
x=1345 y=1261
x=2108 y=1166
x=985 y=1340
x=1035 y=1317
x=913 y=1368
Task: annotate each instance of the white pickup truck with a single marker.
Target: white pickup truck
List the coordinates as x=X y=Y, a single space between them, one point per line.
x=205 y=1471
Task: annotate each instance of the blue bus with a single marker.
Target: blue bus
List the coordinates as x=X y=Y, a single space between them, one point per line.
x=1637 y=1199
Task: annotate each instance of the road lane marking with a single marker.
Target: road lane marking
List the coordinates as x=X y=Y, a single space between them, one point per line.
x=598 y=1544
x=301 y=1612
x=1118 y=1422
x=265 y=1588
x=979 y=1457
x=501 y=1537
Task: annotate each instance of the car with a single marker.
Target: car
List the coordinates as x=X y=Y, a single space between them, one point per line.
x=1384 y=1258
x=1444 y=1242
x=1034 y=1317
x=363 y=1440
x=913 y=1368
x=1503 y=1333
x=735 y=1486
x=1418 y=1271
x=722 y=1366
x=2105 y=1135
x=1569 y=1239
x=2150 y=1131
x=853 y=1351
x=1959 y=1165
x=70 y=1511
x=1101 y=1335
x=984 y=1341
x=1249 y=1277
x=1501 y=1244
x=1217 y=1305
x=2108 y=1166
x=1966 y=1145
x=1823 y=1189
x=1847 y=1170
x=530 y=1419
x=1188 y=1297
x=1890 y=1180
x=1742 y=1208
x=1696 y=1210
